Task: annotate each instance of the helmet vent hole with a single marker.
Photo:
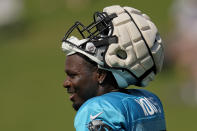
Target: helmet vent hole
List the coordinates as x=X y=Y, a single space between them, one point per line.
x=121 y=54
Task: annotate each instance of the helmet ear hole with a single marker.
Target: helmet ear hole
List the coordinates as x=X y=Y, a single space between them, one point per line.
x=121 y=54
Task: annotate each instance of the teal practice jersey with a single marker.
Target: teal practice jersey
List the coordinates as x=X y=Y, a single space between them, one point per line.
x=136 y=110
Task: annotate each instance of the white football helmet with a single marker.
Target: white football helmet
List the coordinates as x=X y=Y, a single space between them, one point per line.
x=122 y=40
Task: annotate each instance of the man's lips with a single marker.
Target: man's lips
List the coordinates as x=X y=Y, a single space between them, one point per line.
x=72 y=94
x=72 y=97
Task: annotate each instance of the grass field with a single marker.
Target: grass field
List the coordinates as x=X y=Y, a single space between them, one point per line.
x=32 y=66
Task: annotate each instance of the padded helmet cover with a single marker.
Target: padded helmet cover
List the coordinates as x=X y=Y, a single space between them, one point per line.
x=138 y=54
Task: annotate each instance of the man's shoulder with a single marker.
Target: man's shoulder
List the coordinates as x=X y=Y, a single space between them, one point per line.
x=109 y=100
x=117 y=98
x=132 y=105
x=111 y=97
x=130 y=94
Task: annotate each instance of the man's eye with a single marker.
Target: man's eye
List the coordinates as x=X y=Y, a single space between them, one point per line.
x=71 y=75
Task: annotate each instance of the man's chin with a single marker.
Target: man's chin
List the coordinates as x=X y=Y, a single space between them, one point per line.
x=76 y=106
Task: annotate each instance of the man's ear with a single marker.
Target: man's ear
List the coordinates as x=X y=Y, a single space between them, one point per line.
x=101 y=75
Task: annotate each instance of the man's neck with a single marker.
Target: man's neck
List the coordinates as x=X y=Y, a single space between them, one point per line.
x=103 y=89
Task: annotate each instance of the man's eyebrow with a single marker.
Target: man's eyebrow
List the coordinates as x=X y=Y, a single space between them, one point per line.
x=70 y=72
x=66 y=71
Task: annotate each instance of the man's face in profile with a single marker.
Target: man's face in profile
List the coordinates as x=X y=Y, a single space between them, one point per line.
x=81 y=81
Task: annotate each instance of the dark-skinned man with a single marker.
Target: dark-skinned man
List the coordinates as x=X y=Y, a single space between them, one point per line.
x=121 y=47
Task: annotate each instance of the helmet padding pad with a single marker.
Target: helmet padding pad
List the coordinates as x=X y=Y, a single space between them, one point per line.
x=139 y=38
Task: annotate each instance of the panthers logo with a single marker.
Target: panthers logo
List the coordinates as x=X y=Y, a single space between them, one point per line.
x=98 y=125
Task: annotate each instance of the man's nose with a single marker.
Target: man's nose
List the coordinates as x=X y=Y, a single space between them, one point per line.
x=67 y=84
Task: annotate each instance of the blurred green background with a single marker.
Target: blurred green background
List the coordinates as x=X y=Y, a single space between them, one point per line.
x=32 y=65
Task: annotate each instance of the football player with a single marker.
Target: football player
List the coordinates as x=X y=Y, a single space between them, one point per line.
x=121 y=47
